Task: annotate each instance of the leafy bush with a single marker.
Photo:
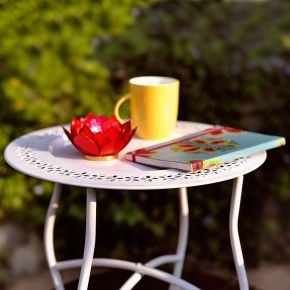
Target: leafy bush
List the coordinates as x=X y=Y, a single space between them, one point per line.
x=50 y=70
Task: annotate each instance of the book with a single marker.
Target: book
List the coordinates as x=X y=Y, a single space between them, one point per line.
x=206 y=148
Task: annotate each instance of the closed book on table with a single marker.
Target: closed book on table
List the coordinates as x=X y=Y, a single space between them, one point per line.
x=206 y=148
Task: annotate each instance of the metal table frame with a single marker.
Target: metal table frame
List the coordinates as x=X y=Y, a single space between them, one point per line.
x=149 y=268
x=40 y=154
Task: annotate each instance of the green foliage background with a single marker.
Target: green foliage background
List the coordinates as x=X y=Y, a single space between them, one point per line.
x=64 y=58
x=50 y=70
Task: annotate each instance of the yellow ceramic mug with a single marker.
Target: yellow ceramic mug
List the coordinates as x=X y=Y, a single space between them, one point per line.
x=154 y=105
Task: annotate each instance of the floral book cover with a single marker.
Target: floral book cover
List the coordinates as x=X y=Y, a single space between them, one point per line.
x=206 y=148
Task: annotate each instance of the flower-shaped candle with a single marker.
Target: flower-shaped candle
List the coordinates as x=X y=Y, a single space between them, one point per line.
x=99 y=137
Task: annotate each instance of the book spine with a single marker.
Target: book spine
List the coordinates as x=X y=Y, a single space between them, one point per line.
x=163 y=164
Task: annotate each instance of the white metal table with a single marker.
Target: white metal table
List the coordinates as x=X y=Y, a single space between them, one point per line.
x=47 y=154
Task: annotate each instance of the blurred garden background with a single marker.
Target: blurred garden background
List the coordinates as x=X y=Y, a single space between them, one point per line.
x=65 y=58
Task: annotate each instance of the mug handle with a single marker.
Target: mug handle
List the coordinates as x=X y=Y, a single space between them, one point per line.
x=118 y=105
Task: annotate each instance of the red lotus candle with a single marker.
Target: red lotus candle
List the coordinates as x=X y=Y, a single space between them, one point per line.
x=99 y=137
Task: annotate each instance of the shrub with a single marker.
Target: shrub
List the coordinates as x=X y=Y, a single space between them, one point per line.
x=50 y=70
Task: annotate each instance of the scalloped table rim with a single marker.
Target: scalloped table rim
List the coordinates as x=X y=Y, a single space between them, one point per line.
x=35 y=158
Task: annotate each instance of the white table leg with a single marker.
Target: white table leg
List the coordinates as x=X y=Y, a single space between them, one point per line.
x=48 y=237
x=178 y=258
x=89 y=240
x=234 y=234
x=183 y=235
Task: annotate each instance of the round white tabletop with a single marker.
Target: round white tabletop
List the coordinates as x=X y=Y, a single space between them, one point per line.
x=47 y=154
